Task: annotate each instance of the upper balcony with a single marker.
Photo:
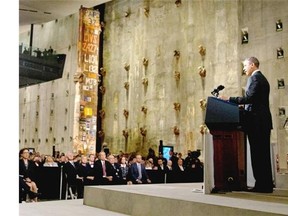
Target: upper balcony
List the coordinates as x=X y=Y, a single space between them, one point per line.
x=38 y=66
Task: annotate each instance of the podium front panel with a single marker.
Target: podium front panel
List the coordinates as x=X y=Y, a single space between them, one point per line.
x=222 y=114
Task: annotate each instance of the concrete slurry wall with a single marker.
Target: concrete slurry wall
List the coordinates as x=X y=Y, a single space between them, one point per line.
x=54 y=101
x=131 y=35
x=260 y=18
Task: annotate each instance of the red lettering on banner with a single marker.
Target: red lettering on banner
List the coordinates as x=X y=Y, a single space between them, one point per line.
x=90 y=38
x=88 y=47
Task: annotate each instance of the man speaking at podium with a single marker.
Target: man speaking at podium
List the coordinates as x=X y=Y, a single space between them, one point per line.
x=258 y=124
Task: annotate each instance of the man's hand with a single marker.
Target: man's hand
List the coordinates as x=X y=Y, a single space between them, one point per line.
x=225 y=98
x=90 y=177
x=110 y=178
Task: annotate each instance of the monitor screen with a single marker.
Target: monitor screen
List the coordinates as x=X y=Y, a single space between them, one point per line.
x=166 y=150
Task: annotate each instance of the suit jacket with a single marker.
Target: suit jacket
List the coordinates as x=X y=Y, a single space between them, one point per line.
x=99 y=172
x=71 y=173
x=118 y=177
x=29 y=172
x=164 y=170
x=135 y=173
x=257 y=96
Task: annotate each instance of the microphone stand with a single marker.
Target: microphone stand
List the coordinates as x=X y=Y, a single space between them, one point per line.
x=285 y=122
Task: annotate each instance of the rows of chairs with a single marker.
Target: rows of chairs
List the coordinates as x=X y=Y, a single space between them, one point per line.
x=53 y=185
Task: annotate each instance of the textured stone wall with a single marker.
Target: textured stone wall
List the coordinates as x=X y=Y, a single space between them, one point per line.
x=131 y=35
x=260 y=18
x=47 y=110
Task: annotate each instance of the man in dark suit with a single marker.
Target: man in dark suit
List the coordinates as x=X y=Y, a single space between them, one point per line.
x=104 y=170
x=117 y=178
x=138 y=172
x=258 y=124
x=173 y=158
x=73 y=179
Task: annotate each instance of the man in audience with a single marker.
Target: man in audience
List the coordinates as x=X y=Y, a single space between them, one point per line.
x=138 y=172
x=104 y=170
x=73 y=179
x=117 y=178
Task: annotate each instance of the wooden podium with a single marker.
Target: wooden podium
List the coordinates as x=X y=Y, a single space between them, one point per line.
x=225 y=124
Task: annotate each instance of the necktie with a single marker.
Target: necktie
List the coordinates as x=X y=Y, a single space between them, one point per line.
x=104 y=168
x=139 y=171
x=73 y=164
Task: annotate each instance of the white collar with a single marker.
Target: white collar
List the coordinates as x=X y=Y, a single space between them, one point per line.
x=255 y=72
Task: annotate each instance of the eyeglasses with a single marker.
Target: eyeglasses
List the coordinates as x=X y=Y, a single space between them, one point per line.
x=26 y=152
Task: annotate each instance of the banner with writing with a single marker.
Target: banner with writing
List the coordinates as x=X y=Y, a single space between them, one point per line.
x=87 y=74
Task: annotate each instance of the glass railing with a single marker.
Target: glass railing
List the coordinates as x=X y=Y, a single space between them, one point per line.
x=36 y=52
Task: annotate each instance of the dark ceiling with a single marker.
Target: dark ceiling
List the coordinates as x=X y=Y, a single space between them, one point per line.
x=41 y=11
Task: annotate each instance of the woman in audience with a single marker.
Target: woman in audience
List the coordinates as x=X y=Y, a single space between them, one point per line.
x=49 y=162
x=148 y=165
x=124 y=168
x=27 y=173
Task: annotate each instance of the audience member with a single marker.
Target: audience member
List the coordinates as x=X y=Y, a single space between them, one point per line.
x=73 y=179
x=104 y=170
x=90 y=171
x=163 y=158
x=117 y=178
x=160 y=166
x=49 y=162
x=138 y=172
x=173 y=158
x=148 y=164
x=124 y=168
x=151 y=154
x=27 y=173
x=169 y=165
x=179 y=170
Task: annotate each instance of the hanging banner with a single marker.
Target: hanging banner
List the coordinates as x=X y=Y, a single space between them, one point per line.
x=88 y=58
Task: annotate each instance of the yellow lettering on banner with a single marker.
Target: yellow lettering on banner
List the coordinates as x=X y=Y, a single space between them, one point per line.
x=91 y=75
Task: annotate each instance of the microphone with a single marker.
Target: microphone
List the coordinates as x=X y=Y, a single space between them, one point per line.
x=215 y=92
x=285 y=122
